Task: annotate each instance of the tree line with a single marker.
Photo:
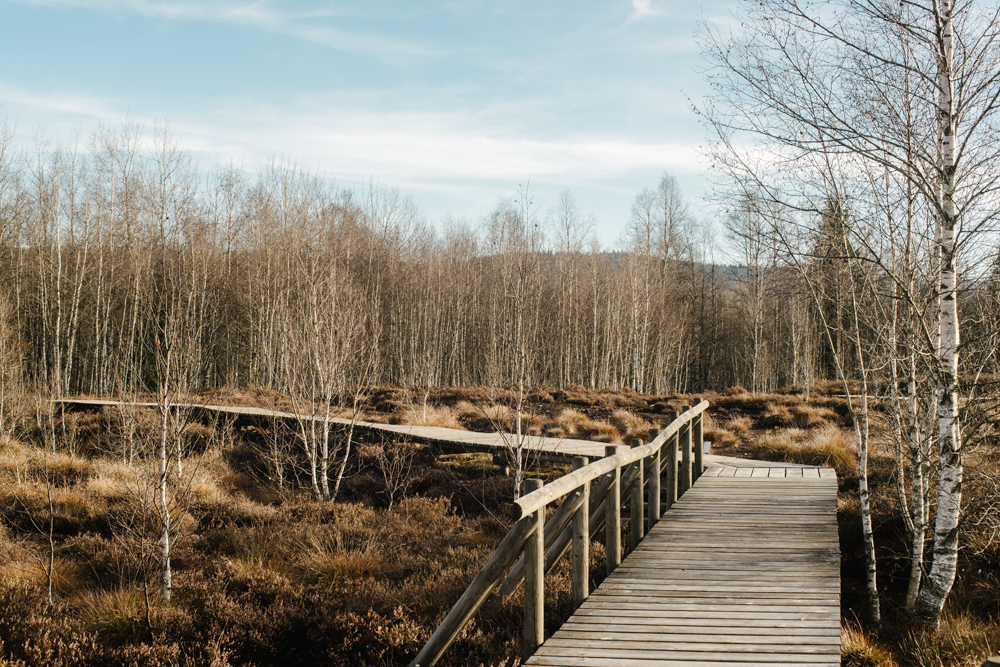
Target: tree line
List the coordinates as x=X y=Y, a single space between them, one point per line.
x=115 y=253
x=123 y=249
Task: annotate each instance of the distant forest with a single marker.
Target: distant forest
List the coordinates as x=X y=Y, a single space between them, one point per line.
x=123 y=262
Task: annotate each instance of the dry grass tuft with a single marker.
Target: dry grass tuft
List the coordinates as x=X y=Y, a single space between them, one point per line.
x=720 y=436
x=432 y=415
x=740 y=425
x=812 y=416
x=776 y=415
x=859 y=649
x=569 y=422
x=827 y=446
x=117 y=614
x=963 y=640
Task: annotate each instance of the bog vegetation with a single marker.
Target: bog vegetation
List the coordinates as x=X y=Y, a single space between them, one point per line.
x=266 y=575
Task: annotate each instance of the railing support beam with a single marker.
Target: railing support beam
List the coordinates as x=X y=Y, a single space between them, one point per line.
x=534 y=579
x=581 y=540
x=613 y=517
x=699 y=445
x=685 y=443
x=637 y=522
x=654 y=484
x=671 y=464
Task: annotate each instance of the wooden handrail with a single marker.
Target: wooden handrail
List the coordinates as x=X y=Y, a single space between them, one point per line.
x=530 y=502
x=543 y=543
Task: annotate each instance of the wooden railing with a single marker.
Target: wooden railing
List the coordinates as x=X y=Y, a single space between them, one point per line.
x=593 y=497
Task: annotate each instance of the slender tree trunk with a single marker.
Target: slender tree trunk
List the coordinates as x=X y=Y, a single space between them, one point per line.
x=941 y=577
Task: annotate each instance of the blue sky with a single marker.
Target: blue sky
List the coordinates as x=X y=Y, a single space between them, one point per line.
x=456 y=103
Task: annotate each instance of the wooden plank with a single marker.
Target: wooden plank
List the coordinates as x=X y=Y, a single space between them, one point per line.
x=743 y=570
x=645 y=643
x=773 y=658
x=566 y=661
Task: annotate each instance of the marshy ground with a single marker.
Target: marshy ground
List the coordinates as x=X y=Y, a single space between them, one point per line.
x=265 y=575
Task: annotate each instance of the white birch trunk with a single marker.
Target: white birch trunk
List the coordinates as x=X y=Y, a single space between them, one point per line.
x=941 y=577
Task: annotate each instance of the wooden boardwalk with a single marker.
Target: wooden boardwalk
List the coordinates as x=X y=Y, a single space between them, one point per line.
x=446 y=439
x=743 y=571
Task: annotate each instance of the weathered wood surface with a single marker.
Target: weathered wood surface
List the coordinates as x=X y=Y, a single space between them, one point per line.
x=744 y=570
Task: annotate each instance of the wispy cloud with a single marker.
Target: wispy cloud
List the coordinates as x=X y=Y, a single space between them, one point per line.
x=306 y=25
x=349 y=137
x=75 y=108
x=642 y=9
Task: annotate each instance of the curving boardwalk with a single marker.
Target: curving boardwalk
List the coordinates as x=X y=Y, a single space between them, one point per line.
x=445 y=439
x=744 y=570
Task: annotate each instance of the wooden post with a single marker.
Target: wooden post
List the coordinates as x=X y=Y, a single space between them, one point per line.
x=672 y=465
x=699 y=446
x=534 y=576
x=637 y=523
x=654 y=484
x=613 y=517
x=685 y=481
x=472 y=599
x=581 y=540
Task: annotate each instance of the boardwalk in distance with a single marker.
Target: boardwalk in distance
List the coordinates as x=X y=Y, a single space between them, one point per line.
x=444 y=439
x=743 y=571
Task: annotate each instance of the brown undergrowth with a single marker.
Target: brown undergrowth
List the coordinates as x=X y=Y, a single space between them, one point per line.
x=264 y=575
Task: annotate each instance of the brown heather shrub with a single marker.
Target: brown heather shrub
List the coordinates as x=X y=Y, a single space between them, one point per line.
x=541 y=395
x=32 y=635
x=576 y=395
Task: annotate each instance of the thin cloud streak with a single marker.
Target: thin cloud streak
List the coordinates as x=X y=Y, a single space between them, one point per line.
x=398 y=146
x=258 y=15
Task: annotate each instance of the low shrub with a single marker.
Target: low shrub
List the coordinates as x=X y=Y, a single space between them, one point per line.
x=776 y=416
x=827 y=446
x=859 y=649
x=963 y=640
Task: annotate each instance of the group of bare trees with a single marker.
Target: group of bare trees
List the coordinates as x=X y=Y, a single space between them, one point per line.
x=861 y=138
x=126 y=267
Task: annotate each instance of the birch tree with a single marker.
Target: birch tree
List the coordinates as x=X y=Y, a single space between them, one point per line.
x=909 y=89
